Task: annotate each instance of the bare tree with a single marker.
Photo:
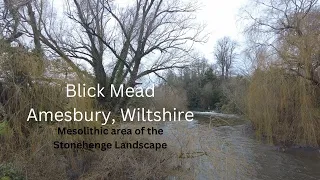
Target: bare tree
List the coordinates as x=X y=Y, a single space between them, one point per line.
x=291 y=28
x=10 y=20
x=225 y=55
x=120 y=45
x=12 y=23
x=153 y=33
x=160 y=31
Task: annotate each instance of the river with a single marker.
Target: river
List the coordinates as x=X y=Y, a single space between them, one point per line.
x=218 y=146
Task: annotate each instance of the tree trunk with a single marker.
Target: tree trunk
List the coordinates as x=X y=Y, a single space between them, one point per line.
x=101 y=78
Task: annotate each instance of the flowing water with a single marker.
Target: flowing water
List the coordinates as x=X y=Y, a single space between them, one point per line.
x=217 y=146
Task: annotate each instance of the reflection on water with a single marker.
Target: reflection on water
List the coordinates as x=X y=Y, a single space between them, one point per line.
x=232 y=152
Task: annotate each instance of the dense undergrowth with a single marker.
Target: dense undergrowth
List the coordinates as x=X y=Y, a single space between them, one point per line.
x=26 y=150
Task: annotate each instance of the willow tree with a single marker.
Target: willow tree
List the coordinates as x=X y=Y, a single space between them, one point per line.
x=291 y=28
x=283 y=99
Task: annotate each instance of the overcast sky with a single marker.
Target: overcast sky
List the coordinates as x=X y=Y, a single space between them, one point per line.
x=220 y=16
x=222 y=20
